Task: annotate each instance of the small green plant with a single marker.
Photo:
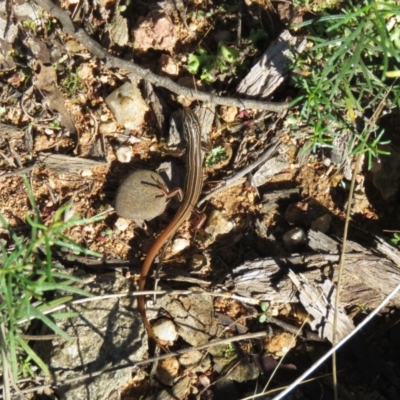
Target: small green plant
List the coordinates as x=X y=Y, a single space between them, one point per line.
x=55 y=124
x=29 y=25
x=124 y=7
x=395 y=240
x=345 y=72
x=264 y=316
x=258 y=35
x=314 y=6
x=71 y=84
x=215 y=156
x=211 y=65
x=370 y=148
x=28 y=280
x=227 y=58
x=229 y=351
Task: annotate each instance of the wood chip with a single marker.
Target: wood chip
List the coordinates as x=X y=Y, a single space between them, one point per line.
x=65 y=164
x=271 y=70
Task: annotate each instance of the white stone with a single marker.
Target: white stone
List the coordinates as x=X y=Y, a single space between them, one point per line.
x=218 y=224
x=124 y=154
x=127 y=105
x=121 y=224
x=179 y=245
x=165 y=330
x=86 y=173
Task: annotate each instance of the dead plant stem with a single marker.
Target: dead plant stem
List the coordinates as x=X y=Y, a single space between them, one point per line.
x=370 y=123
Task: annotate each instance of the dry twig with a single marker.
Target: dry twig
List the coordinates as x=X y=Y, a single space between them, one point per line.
x=142 y=73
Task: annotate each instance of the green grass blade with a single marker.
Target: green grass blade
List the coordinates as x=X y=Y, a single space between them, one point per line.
x=35 y=313
x=28 y=350
x=348 y=68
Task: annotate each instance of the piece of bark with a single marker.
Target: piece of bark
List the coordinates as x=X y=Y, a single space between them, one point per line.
x=367 y=277
x=118 y=29
x=64 y=164
x=45 y=80
x=272 y=68
x=156 y=103
x=269 y=169
x=322 y=243
x=206 y=117
x=318 y=299
x=389 y=251
x=8 y=132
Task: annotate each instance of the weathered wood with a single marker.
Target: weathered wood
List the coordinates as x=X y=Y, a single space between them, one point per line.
x=272 y=68
x=8 y=132
x=64 y=164
x=368 y=276
x=318 y=300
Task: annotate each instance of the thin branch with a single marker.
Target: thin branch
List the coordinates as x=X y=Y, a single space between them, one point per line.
x=142 y=73
x=247 y=300
x=235 y=179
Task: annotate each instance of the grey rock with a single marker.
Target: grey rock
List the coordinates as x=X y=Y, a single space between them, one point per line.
x=107 y=333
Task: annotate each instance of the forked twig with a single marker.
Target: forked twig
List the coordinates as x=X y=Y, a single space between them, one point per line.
x=142 y=73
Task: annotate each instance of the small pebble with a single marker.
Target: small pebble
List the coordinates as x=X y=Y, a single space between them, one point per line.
x=191 y=358
x=294 y=238
x=204 y=380
x=124 y=154
x=165 y=330
x=87 y=173
x=121 y=224
x=199 y=263
x=133 y=140
x=127 y=105
x=218 y=224
x=108 y=128
x=322 y=223
x=167 y=371
x=327 y=162
x=179 y=245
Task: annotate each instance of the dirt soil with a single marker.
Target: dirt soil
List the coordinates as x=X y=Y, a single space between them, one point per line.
x=53 y=102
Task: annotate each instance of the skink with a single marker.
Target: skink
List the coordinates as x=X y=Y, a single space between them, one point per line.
x=192 y=190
